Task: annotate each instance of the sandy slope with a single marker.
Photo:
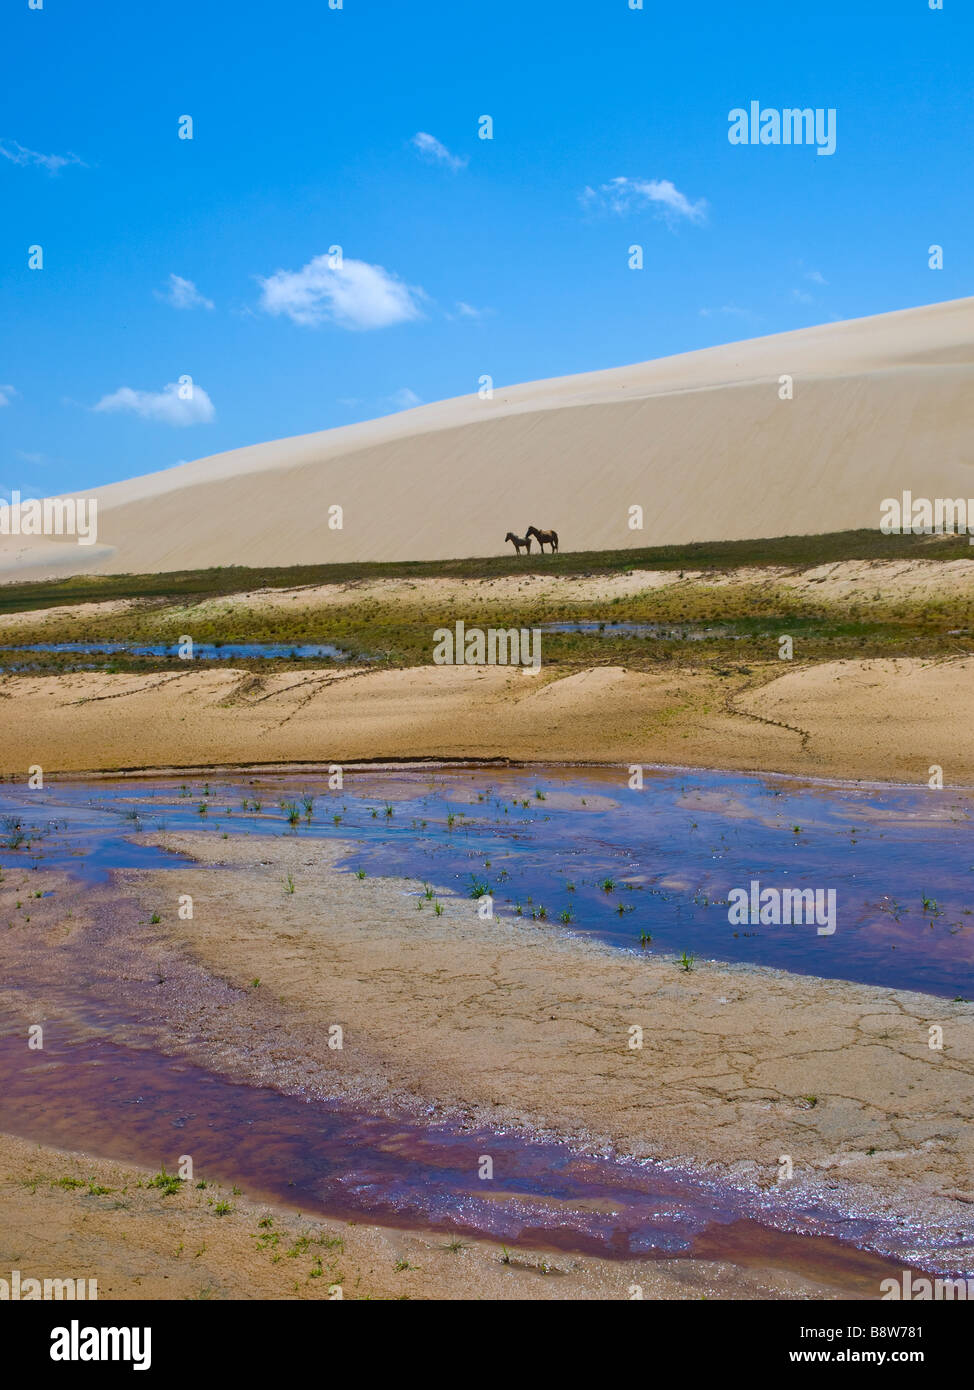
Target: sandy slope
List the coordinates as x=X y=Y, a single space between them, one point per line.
x=701 y=441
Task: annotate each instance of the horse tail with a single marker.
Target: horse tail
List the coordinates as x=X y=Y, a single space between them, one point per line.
x=554 y=537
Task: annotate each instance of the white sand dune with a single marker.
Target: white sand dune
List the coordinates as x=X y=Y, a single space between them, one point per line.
x=701 y=441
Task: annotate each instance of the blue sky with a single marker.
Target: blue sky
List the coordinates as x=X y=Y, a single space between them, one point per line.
x=462 y=256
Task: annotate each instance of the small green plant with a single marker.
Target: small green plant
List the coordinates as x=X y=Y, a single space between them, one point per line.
x=438 y=909
x=687 y=961
x=565 y=915
x=167 y=1183
x=359 y=873
x=607 y=885
x=153 y=919
x=288 y=884
x=223 y=1209
x=291 y=811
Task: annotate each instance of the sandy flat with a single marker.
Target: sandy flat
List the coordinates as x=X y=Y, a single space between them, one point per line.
x=701 y=441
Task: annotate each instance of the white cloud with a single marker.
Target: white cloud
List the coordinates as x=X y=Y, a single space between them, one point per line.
x=432 y=149
x=404 y=399
x=183 y=294
x=166 y=405
x=353 y=295
x=816 y=277
x=803 y=296
x=622 y=195
x=53 y=163
x=6 y=393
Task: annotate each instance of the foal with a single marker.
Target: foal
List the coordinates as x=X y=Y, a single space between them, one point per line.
x=519 y=541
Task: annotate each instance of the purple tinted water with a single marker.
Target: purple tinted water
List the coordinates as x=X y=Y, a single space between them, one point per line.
x=620 y=864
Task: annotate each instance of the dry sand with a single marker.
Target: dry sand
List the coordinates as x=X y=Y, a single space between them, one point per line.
x=842 y=582
x=880 y=405
x=885 y=720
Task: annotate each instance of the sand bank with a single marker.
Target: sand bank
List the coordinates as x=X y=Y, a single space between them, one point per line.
x=886 y=720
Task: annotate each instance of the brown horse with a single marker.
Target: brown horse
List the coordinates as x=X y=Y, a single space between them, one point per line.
x=544 y=538
x=519 y=541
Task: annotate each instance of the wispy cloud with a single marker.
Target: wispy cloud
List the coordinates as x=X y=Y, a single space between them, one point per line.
x=167 y=405
x=7 y=393
x=803 y=297
x=623 y=195
x=816 y=277
x=436 y=152
x=352 y=295
x=732 y=311
x=404 y=399
x=183 y=294
x=467 y=311
x=53 y=163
